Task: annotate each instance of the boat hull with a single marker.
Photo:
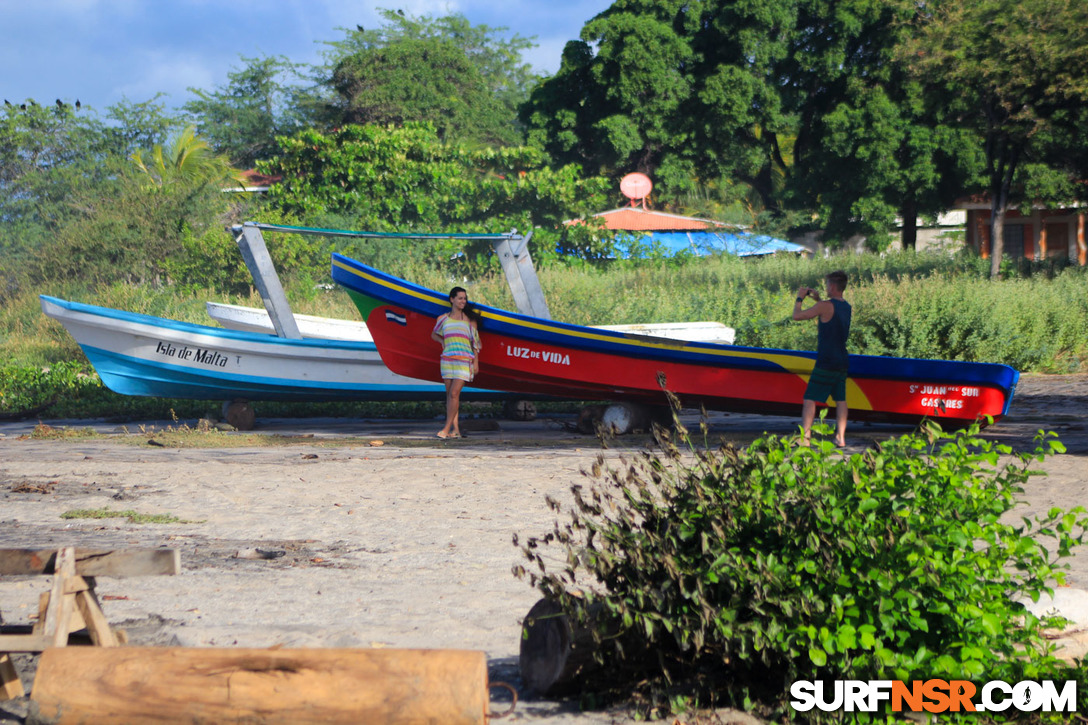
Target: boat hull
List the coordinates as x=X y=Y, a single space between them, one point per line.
x=525 y=354
x=149 y=356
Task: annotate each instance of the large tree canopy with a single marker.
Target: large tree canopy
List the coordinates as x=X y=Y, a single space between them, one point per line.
x=1009 y=69
x=266 y=98
x=467 y=80
x=422 y=80
x=388 y=178
x=807 y=102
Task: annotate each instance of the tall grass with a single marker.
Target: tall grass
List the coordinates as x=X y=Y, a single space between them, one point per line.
x=905 y=305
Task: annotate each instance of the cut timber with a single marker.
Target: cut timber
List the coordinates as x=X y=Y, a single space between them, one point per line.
x=10 y=684
x=136 y=685
x=553 y=654
x=92 y=562
x=240 y=414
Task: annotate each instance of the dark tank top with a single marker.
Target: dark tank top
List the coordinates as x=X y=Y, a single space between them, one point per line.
x=831 y=338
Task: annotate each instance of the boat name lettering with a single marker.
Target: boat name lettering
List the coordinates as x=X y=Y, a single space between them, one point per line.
x=196 y=354
x=945 y=403
x=546 y=355
x=963 y=392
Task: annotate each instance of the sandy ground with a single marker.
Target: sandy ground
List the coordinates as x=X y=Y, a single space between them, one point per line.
x=407 y=544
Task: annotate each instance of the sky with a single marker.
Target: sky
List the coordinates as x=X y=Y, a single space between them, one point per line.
x=101 y=52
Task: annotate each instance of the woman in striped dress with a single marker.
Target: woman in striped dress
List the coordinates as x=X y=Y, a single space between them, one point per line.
x=460 y=340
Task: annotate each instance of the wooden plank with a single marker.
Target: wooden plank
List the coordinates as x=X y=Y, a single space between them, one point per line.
x=136 y=685
x=61 y=605
x=10 y=684
x=94 y=620
x=93 y=562
x=24 y=642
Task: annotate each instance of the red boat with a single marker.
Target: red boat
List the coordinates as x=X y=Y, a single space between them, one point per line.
x=525 y=354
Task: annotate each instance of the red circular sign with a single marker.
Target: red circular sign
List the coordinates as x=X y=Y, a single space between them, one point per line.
x=636 y=186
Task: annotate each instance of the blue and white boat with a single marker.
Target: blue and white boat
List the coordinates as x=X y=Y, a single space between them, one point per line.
x=138 y=354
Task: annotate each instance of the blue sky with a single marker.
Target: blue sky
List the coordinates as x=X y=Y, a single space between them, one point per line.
x=103 y=51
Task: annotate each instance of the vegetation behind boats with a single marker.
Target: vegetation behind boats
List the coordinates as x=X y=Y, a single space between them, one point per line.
x=909 y=305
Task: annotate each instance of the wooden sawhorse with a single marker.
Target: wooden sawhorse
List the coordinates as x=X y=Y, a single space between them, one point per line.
x=71 y=604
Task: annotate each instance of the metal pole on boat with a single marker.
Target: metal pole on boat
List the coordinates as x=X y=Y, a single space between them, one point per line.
x=255 y=253
x=513 y=254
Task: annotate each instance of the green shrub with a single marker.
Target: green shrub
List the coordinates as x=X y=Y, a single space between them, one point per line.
x=727 y=574
x=29 y=390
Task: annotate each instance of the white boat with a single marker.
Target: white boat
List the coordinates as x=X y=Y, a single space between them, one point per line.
x=704 y=331
x=253 y=319
x=137 y=354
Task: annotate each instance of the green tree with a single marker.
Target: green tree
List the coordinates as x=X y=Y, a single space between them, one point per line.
x=465 y=79
x=129 y=225
x=44 y=159
x=58 y=165
x=422 y=80
x=134 y=125
x=187 y=161
x=618 y=102
x=1009 y=69
x=388 y=179
x=268 y=97
x=869 y=146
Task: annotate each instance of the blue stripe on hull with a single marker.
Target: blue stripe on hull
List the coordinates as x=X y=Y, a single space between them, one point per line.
x=129 y=375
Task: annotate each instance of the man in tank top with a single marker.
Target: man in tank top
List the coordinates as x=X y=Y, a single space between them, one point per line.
x=828 y=378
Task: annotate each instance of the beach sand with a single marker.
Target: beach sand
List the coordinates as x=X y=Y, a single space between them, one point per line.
x=407 y=544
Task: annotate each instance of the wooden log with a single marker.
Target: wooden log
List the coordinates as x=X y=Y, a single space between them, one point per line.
x=92 y=562
x=240 y=414
x=554 y=654
x=10 y=684
x=137 y=685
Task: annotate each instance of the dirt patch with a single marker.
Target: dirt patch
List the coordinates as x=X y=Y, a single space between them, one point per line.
x=407 y=544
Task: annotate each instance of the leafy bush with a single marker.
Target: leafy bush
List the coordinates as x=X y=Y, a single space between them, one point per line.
x=728 y=573
x=28 y=390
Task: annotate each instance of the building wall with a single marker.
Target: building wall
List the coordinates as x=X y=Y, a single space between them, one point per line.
x=1045 y=234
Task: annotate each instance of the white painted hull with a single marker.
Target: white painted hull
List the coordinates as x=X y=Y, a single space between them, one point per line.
x=142 y=355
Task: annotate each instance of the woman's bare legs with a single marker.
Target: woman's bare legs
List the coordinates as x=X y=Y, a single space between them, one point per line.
x=453 y=403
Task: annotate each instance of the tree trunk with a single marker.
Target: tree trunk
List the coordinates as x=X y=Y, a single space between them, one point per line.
x=1004 y=170
x=997 y=240
x=137 y=685
x=909 y=236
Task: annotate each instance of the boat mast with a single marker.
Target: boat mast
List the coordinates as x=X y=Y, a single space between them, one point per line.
x=511 y=248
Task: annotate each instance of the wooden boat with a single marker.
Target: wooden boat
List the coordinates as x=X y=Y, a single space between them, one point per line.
x=527 y=354
x=137 y=354
x=253 y=319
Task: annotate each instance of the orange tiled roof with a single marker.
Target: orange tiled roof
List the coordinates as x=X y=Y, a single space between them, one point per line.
x=252 y=178
x=252 y=181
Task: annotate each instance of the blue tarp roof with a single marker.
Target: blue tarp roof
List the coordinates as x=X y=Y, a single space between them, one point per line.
x=736 y=242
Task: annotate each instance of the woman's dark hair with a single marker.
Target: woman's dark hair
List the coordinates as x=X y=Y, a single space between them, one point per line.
x=469 y=312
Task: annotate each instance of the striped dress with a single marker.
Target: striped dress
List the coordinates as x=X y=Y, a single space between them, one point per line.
x=460 y=343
